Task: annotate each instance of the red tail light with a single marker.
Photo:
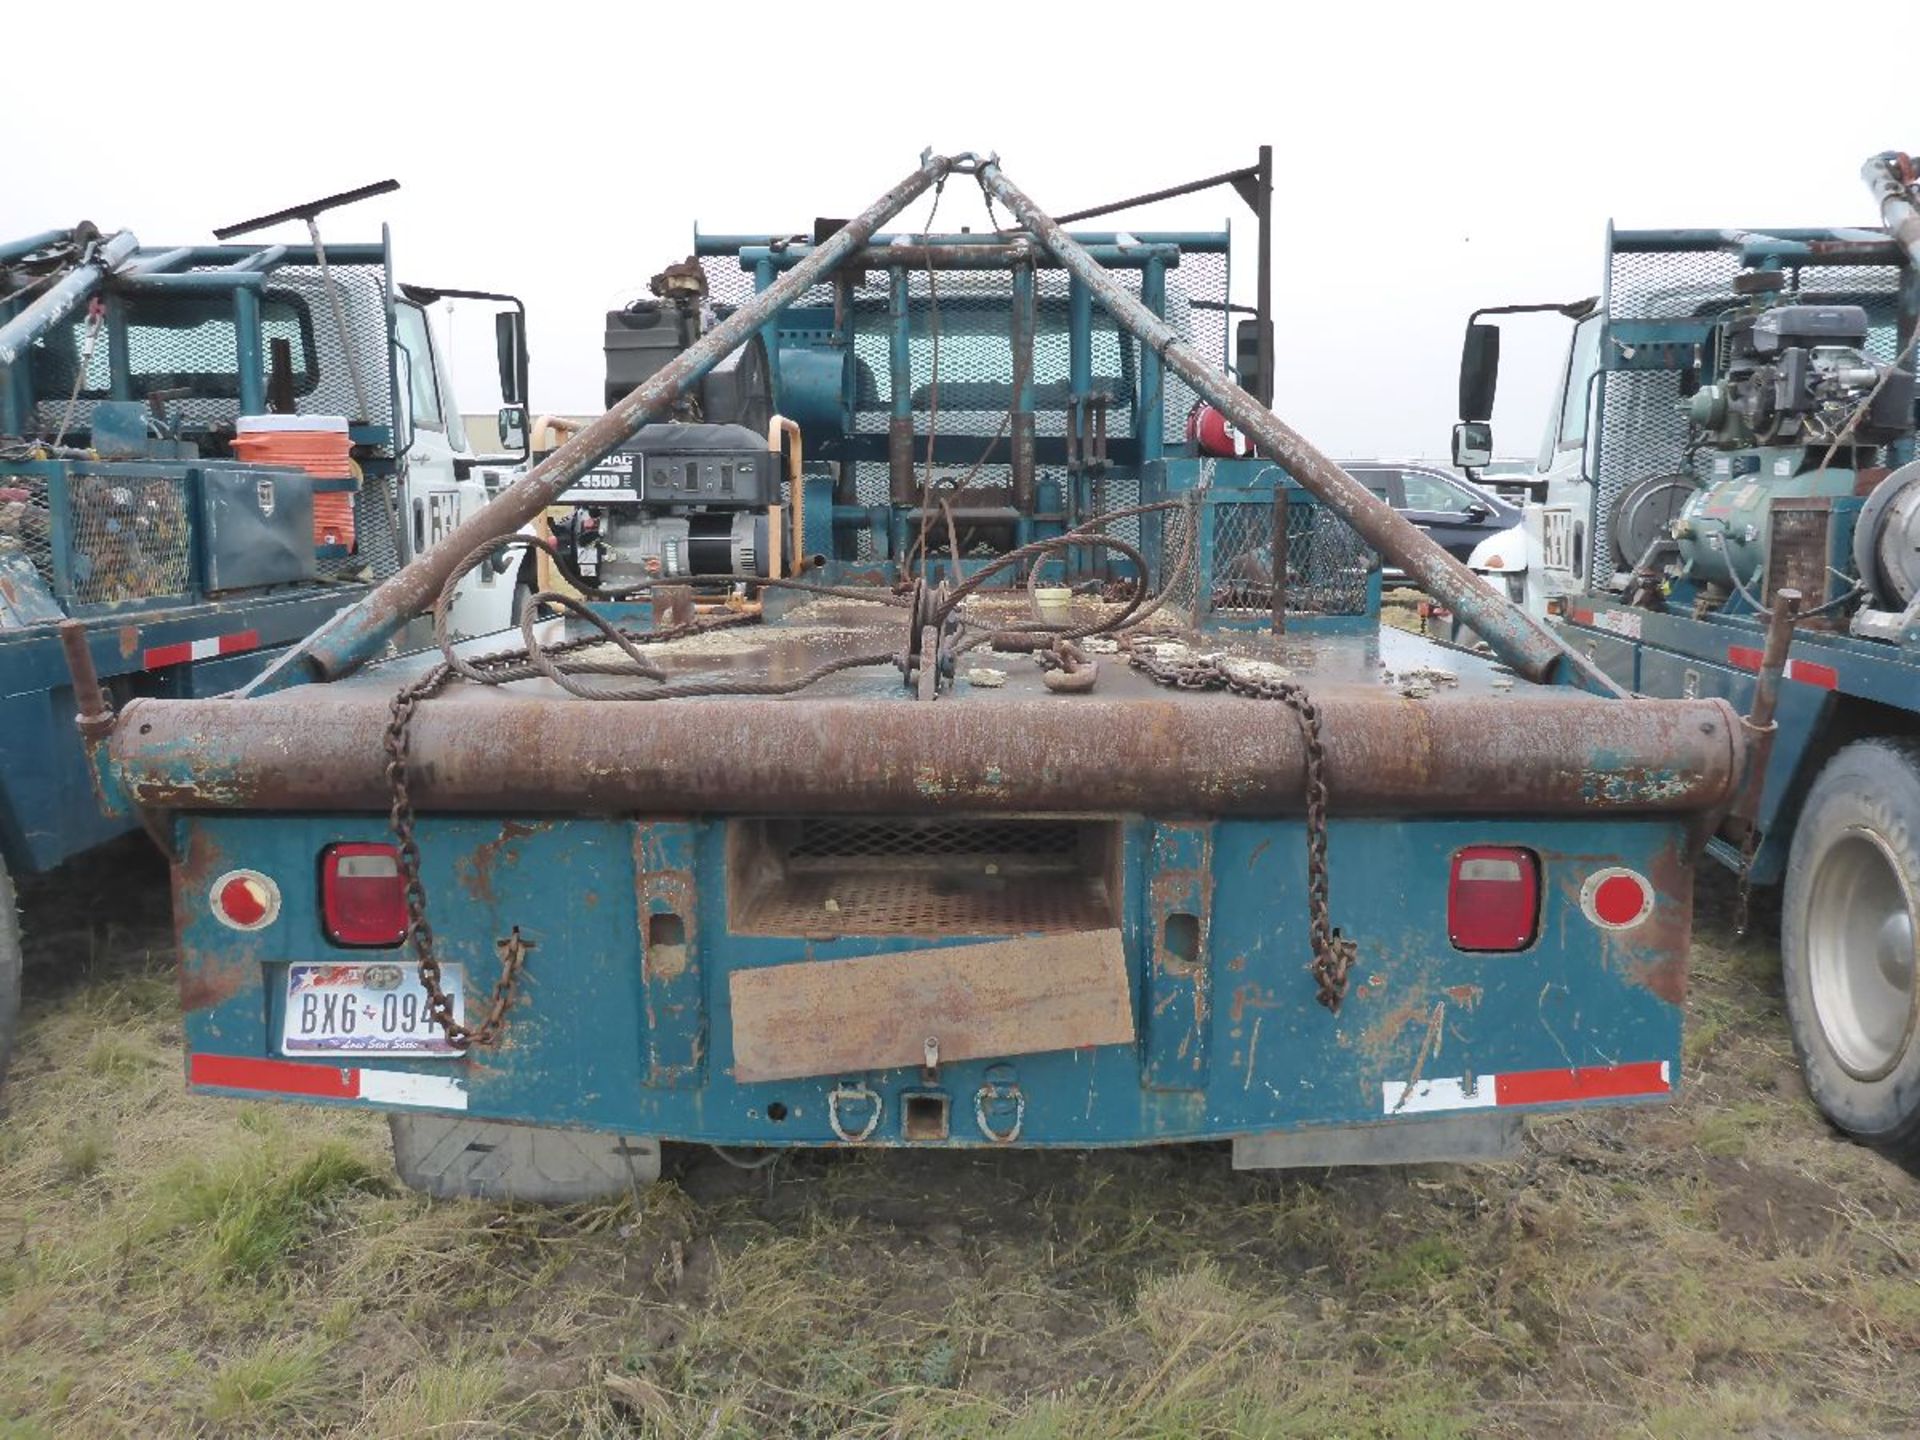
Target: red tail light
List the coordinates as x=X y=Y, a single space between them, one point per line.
x=1493 y=898
x=362 y=899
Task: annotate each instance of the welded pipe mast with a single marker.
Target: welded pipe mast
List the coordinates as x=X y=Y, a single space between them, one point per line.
x=359 y=633
x=1887 y=175
x=74 y=288
x=1515 y=637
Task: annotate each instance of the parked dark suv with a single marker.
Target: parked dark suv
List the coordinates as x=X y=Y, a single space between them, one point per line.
x=1457 y=514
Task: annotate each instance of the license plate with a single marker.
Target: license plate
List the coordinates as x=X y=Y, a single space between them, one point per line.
x=379 y=1007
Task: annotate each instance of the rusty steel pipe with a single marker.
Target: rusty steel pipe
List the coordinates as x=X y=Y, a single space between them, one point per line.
x=1516 y=638
x=359 y=632
x=93 y=711
x=1885 y=175
x=492 y=749
x=1758 y=723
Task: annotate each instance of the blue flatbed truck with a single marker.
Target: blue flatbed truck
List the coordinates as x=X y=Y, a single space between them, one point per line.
x=876 y=838
x=124 y=372
x=1737 y=423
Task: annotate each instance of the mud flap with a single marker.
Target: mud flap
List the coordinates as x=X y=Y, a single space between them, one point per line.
x=968 y=1002
x=1464 y=1138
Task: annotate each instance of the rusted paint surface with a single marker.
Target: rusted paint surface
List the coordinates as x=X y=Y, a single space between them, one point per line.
x=1668 y=932
x=1178 y=999
x=673 y=990
x=475 y=871
x=975 y=1002
x=1130 y=746
x=207 y=981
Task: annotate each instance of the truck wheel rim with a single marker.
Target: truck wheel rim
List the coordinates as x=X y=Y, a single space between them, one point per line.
x=1860 y=942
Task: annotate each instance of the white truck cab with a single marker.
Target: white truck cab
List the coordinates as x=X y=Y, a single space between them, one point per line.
x=444 y=481
x=1544 y=557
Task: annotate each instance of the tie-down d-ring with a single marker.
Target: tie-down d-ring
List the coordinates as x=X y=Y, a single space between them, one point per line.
x=990 y=1092
x=844 y=1092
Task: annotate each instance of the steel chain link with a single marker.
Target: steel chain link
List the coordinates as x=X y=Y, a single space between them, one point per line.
x=1333 y=953
x=398 y=743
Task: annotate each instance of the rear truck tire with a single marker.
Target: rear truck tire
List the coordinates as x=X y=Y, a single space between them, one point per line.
x=451 y=1157
x=10 y=967
x=1849 y=922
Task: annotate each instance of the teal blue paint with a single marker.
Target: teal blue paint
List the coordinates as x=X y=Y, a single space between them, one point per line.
x=585 y=1047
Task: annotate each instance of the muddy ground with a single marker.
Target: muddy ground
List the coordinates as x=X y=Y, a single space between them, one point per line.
x=1726 y=1267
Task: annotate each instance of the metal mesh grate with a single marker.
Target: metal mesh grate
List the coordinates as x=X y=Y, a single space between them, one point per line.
x=27 y=524
x=129 y=538
x=976 y=362
x=906 y=902
x=863 y=875
x=1328 y=564
x=201 y=359
x=376 y=553
x=834 y=840
x=1643 y=432
x=1667 y=285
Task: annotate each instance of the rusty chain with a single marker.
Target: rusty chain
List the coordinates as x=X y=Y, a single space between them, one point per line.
x=398 y=742
x=1333 y=953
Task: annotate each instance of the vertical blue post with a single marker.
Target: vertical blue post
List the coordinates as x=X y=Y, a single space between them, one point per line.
x=901 y=489
x=1150 y=419
x=1021 y=420
x=119 y=350
x=1074 y=495
x=247 y=350
x=763 y=278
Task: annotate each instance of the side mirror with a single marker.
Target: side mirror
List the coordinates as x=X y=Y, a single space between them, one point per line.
x=510 y=347
x=1246 y=356
x=1472 y=444
x=512 y=421
x=1476 y=512
x=1479 y=371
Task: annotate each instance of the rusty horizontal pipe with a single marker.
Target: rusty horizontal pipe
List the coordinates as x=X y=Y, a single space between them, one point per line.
x=362 y=630
x=501 y=748
x=1516 y=637
x=944 y=256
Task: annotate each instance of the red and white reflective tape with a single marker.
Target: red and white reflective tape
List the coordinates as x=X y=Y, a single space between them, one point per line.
x=1807 y=672
x=1528 y=1087
x=327 y=1082
x=209 y=648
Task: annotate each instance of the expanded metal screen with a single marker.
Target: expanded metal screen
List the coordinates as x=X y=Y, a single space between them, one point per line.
x=971 y=310
x=1643 y=432
x=26 y=524
x=830 y=840
x=129 y=539
x=1328 y=564
x=970 y=390
x=183 y=356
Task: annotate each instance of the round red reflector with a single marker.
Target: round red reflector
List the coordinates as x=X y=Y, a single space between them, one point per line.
x=1616 y=898
x=245 y=899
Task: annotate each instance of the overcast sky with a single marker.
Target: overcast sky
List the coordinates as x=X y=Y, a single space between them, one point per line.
x=1430 y=158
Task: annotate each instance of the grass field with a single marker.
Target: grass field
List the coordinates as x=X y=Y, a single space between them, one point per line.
x=180 y=1266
